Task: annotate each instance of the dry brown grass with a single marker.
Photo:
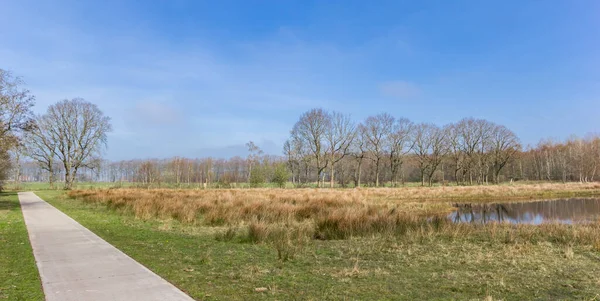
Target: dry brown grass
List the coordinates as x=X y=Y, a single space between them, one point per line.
x=327 y=213
x=334 y=213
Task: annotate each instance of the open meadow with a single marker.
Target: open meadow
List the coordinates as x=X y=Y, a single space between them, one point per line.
x=353 y=244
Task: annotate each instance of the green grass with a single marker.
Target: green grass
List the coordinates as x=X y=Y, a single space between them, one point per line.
x=416 y=266
x=19 y=278
x=36 y=186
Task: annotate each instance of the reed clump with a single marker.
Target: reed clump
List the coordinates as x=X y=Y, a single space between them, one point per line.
x=287 y=239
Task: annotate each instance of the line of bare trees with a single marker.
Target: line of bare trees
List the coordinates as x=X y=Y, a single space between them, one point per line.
x=474 y=149
x=256 y=169
x=575 y=159
x=176 y=172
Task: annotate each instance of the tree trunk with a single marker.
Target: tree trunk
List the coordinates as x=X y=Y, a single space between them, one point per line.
x=402 y=177
x=51 y=179
x=359 y=172
x=18 y=169
x=497 y=177
x=306 y=171
x=68 y=181
x=331 y=179
x=377 y=173
x=456 y=176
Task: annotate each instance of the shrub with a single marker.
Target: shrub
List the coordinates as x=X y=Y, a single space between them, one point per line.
x=280 y=175
x=257 y=177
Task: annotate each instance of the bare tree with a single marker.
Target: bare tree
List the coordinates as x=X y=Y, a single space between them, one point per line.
x=594 y=154
x=294 y=152
x=339 y=137
x=41 y=147
x=77 y=129
x=359 y=152
x=175 y=169
x=483 y=154
x=288 y=151
x=254 y=153
x=148 y=174
x=457 y=157
x=469 y=142
x=504 y=145
x=400 y=143
x=15 y=104
x=578 y=158
x=311 y=129
x=377 y=130
x=430 y=148
x=473 y=137
x=15 y=117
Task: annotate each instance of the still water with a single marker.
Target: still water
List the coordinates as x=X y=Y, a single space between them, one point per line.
x=567 y=211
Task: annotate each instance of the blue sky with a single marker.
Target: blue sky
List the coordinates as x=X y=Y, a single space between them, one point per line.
x=201 y=78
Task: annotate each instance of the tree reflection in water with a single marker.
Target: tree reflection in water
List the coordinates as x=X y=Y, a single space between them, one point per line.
x=567 y=211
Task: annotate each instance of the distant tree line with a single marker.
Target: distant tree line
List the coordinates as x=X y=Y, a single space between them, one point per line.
x=465 y=162
x=575 y=159
x=256 y=170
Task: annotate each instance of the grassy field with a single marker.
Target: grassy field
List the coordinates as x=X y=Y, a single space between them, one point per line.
x=366 y=244
x=19 y=279
x=31 y=186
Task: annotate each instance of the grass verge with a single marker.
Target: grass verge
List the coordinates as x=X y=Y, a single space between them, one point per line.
x=19 y=278
x=455 y=262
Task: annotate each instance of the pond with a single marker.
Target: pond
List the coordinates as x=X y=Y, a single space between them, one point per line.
x=566 y=211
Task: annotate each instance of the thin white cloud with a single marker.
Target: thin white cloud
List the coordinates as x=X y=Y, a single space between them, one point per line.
x=399 y=89
x=157 y=114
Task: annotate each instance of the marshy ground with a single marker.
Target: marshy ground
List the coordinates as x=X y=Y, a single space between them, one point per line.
x=355 y=244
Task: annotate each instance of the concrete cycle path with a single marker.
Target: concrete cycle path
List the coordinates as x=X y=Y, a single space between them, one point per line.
x=75 y=264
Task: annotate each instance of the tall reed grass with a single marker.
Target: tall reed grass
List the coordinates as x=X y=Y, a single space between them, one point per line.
x=290 y=216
